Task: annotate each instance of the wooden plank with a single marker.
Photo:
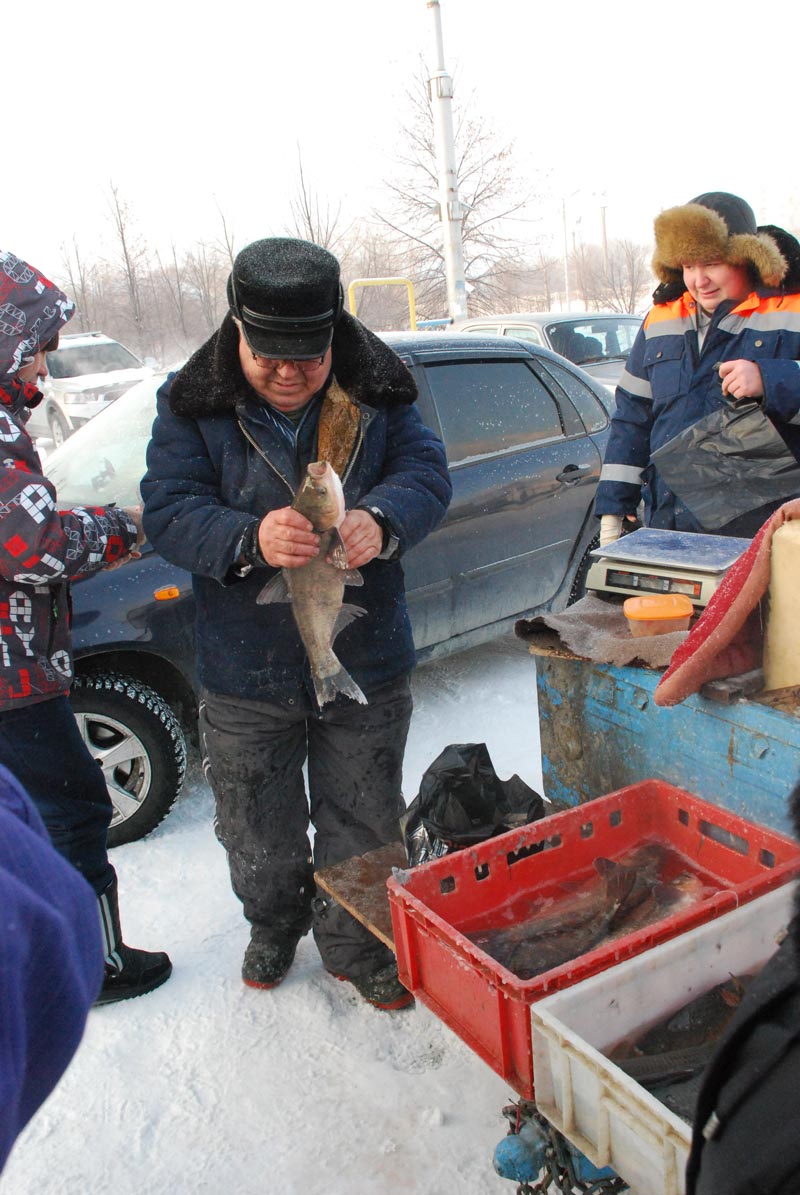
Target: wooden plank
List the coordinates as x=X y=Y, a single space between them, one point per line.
x=359 y=885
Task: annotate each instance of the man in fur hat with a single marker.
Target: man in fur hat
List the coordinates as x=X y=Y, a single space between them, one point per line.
x=725 y=325
x=290 y=378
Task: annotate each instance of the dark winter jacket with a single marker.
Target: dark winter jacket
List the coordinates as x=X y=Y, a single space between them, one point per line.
x=52 y=961
x=746 y=1137
x=41 y=550
x=667 y=386
x=217 y=464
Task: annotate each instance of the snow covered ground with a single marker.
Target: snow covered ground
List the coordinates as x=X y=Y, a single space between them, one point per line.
x=208 y=1086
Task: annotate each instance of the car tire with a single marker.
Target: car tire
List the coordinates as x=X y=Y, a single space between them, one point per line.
x=59 y=431
x=578 y=589
x=138 y=741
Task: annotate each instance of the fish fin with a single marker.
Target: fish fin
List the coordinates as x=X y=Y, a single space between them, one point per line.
x=346 y=615
x=275 y=590
x=618 y=881
x=353 y=577
x=327 y=688
x=337 y=553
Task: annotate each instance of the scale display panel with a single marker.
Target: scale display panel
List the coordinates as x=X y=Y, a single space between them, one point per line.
x=650 y=560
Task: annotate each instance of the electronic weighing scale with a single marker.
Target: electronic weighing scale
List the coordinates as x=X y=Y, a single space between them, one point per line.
x=654 y=561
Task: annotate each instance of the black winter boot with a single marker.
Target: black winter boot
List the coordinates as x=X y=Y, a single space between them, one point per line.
x=382 y=988
x=129 y=972
x=266 y=963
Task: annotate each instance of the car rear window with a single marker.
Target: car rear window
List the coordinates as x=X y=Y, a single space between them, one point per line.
x=523 y=332
x=488 y=407
x=590 y=408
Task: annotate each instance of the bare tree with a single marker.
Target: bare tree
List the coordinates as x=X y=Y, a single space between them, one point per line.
x=313 y=219
x=79 y=283
x=173 y=278
x=488 y=189
x=629 y=279
x=133 y=260
x=206 y=273
x=227 y=237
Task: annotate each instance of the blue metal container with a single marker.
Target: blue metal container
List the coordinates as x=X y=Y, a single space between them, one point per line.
x=601 y=730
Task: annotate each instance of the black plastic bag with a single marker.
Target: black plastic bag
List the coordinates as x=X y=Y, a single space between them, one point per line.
x=462 y=801
x=727 y=464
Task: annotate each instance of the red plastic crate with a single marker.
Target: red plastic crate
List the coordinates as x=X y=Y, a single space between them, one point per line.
x=434 y=906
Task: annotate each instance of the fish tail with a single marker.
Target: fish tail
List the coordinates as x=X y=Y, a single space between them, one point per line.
x=327 y=687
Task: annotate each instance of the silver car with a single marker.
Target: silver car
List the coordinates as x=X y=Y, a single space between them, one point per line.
x=87 y=371
x=598 y=341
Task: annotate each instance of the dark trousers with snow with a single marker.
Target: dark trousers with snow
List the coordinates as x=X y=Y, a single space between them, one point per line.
x=42 y=746
x=254 y=755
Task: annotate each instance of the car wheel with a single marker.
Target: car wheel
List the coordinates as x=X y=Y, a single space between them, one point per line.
x=578 y=589
x=59 y=431
x=138 y=742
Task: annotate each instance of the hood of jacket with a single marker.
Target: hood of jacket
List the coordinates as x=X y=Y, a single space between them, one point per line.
x=211 y=382
x=32 y=312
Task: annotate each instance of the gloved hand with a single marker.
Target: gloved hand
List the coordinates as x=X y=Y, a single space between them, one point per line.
x=610 y=529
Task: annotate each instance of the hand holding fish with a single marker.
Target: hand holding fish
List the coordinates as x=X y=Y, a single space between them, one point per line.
x=362 y=537
x=287 y=539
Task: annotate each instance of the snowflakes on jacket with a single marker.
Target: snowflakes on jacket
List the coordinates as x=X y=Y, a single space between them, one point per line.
x=41 y=550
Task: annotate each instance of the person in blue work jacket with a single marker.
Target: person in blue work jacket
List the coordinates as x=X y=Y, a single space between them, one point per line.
x=291 y=378
x=725 y=322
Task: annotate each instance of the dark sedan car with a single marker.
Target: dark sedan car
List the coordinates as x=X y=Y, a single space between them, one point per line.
x=525 y=433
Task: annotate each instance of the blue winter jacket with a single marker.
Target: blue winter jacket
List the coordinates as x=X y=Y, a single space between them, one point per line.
x=667 y=385
x=51 y=961
x=206 y=484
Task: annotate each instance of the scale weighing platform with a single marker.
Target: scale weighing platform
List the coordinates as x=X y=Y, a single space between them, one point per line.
x=654 y=561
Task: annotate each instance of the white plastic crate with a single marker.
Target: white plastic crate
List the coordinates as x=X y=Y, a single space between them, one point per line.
x=607 y=1115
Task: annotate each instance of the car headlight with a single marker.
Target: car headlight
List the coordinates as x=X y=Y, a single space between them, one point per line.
x=96 y=394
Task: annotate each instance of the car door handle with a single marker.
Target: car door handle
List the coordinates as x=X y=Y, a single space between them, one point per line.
x=572 y=473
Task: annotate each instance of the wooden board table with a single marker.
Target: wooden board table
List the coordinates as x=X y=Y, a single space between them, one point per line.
x=359 y=885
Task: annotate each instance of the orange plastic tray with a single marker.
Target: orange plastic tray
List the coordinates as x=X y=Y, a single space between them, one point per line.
x=436 y=905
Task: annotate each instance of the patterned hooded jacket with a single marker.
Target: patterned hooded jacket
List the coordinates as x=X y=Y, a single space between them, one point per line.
x=41 y=549
x=669 y=383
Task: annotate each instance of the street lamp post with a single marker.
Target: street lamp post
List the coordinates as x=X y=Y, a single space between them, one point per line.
x=450 y=208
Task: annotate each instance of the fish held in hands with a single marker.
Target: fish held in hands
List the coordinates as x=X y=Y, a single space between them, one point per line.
x=316 y=589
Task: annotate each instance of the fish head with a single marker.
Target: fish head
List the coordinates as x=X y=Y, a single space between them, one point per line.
x=320 y=496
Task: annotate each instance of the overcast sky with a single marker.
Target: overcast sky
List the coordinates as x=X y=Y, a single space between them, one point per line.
x=196 y=108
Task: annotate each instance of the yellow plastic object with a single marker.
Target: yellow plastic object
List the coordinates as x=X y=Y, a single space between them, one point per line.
x=406 y=282
x=782 y=635
x=167 y=593
x=659 y=614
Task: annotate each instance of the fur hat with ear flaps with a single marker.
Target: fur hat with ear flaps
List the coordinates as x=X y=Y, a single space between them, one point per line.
x=715 y=227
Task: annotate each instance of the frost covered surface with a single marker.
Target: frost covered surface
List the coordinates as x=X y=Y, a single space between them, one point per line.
x=209 y=1086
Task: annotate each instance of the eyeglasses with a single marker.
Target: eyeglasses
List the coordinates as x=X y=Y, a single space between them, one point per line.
x=273 y=363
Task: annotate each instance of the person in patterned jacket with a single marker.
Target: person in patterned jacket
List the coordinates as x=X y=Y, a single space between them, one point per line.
x=41 y=551
x=725 y=323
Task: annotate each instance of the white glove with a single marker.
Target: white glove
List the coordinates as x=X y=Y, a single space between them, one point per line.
x=610 y=529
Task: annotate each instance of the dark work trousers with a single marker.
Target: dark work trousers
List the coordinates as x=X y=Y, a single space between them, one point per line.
x=42 y=746
x=253 y=755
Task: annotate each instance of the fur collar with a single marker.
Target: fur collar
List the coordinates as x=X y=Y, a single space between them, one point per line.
x=211 y=382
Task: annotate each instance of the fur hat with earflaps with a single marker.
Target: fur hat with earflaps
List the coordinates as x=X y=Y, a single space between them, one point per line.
x=716 y=226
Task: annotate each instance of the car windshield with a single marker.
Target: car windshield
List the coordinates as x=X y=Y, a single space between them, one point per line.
x=105 y=460
x=77 y=360
x=594 y=339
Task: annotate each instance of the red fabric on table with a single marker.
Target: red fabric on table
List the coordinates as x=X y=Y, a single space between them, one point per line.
x=728 y=637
